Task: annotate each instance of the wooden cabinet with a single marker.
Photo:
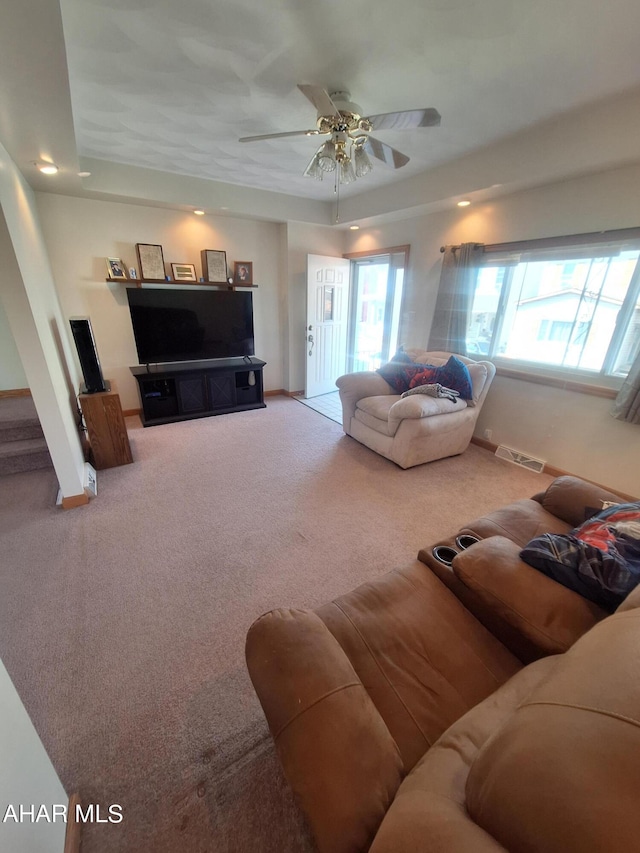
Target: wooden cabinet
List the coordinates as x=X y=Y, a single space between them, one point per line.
x=199 y=389
x=106 y=429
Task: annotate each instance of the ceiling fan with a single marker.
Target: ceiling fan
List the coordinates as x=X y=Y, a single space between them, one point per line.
x=349 y=144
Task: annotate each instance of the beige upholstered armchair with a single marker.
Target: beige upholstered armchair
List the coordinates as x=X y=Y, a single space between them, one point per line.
x=418 y=428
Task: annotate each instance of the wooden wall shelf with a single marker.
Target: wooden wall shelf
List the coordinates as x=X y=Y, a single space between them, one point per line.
x=138 y=282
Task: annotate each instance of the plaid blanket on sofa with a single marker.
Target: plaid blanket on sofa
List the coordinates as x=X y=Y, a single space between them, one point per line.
x=600 y=559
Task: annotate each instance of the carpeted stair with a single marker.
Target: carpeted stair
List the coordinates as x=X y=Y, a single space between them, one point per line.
x=22 y=444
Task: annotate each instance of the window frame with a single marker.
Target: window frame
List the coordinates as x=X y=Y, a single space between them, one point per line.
x=507 y=256
x=398 y=259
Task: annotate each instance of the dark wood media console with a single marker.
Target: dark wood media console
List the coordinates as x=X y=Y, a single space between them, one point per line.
x=199 y=389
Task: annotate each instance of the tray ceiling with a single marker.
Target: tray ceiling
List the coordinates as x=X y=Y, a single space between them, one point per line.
x=171 y=86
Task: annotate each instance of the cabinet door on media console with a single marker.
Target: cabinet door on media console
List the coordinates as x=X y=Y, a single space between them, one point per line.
x=222 y=390
x=192 y=394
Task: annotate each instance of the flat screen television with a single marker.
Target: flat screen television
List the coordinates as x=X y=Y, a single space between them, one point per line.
x=190 y=325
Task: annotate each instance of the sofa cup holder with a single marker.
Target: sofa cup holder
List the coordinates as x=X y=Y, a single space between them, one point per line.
x=466 y=540
x=444 y=554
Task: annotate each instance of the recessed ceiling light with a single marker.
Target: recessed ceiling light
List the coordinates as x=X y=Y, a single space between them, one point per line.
x=47 y=168
x=199 y=212
x=354 y=228
x=83 y=174
x=464 y=203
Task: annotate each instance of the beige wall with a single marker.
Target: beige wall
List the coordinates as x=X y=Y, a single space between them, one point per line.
x=12 y=374
x=81 y=233
x=571 y=431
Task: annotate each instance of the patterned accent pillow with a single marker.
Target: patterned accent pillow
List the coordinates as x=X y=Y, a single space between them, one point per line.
x=454 y=374
x=402 y=376
x=398 y=374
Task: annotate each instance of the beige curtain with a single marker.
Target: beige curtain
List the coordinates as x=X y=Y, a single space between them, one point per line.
x=455 y=298
x=627 y=404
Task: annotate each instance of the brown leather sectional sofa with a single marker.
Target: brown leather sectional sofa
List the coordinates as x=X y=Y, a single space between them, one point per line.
x=407 y=720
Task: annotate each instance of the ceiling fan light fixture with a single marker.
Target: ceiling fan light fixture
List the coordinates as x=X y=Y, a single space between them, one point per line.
x=326 y=156
x=361 y=162
x=347 y=175
x=314 y=170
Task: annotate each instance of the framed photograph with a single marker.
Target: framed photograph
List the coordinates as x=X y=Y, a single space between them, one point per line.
x=116 y=269
x=243 y=272
x=150 y=261
x=214 y=266
x=183 y=272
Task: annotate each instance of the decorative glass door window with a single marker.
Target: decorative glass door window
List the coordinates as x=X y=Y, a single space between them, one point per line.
x=329 y=293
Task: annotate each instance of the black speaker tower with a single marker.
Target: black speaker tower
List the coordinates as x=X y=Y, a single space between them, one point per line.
x=88 y=355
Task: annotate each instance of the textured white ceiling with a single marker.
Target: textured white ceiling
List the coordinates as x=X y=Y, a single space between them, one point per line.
x=172 y=85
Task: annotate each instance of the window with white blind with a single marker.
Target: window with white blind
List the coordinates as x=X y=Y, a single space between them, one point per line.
x=566 y=307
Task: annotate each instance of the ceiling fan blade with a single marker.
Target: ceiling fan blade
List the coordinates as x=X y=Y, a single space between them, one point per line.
x=279 y=135
x=405 y=120
x=320 y=99
x=385 y=152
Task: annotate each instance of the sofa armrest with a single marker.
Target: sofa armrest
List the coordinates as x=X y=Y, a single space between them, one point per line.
x=356 y=386
x=546 y=613
x=571 y=499
x=336 y=751
x=423 y=406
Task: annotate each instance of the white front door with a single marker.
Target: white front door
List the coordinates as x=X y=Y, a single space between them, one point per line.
x=326 y=329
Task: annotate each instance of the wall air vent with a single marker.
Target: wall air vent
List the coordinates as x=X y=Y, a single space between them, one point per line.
x=518 y=458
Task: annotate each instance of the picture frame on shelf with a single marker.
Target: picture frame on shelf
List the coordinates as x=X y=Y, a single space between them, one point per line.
x=116 y=269
x=183 y=272
x=214 y=266
x=243 y=273
x=150 y=261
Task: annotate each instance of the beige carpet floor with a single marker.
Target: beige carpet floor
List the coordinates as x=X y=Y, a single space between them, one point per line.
x=122 y=624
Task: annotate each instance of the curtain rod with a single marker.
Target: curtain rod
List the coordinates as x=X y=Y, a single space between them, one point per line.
x=553 y=242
